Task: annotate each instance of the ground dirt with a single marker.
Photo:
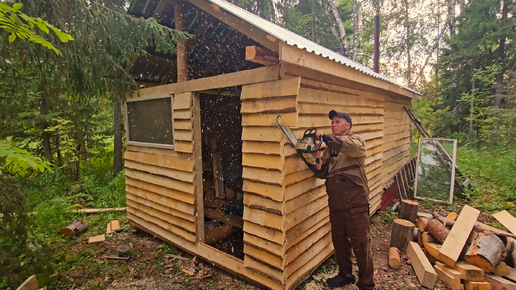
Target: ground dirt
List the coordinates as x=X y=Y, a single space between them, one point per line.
x=149 y=268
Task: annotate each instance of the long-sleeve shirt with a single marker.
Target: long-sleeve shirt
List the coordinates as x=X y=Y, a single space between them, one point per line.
x=344 y=160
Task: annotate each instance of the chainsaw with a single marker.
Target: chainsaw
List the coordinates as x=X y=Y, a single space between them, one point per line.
x=307 y=147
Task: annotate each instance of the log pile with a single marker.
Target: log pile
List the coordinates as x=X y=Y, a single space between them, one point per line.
x=457 y=250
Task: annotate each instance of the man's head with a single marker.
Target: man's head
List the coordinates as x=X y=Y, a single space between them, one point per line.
x=340 y=122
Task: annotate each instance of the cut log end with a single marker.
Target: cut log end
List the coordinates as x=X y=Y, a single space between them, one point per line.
x=486 y=252
x=394 y=258
x=408 y=210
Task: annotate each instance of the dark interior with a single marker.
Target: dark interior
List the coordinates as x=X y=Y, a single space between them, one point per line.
x=222 y=154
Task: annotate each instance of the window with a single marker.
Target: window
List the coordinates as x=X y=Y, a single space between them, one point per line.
x=150 y=122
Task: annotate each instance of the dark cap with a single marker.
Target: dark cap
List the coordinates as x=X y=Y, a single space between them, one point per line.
x=343 y=115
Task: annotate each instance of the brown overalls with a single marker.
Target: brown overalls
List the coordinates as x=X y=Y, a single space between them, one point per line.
x=348 y=201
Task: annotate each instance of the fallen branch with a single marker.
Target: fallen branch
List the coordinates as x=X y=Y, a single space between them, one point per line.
x=87 y=210
x=115 y=258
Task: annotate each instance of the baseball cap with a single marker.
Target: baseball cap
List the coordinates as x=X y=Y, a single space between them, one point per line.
x=342 y=115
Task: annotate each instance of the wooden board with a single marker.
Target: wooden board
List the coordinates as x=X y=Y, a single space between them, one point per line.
x=507 y=220
x=499 y=283
x=452 y=246
x=30 y=283
x=424 y=270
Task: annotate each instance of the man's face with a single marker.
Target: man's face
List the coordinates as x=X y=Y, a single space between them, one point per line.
x=339 y=126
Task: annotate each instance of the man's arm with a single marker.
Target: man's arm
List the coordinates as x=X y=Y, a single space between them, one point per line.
x=353 y=146
x=321 y=173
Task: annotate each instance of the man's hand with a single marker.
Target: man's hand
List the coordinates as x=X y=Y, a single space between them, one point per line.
x=318 y=135
x=318 y=166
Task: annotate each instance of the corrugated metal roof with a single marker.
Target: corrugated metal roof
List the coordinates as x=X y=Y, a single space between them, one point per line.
x=299 y=41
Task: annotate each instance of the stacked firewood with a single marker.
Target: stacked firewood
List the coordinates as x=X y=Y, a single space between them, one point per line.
x=457 y=249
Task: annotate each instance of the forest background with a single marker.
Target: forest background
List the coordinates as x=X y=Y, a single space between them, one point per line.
x=62 y=74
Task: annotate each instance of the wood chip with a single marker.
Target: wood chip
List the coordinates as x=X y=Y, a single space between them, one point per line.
x=97 y=239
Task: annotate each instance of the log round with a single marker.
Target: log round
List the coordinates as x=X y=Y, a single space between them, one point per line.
x=74 y=228
x=402 y=233
x=437 y=230
x=408 y=210
x=422 y=222
x=394 y=258
x=486 y=251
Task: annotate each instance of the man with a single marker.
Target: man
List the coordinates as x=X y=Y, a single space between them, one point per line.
x=342 y=165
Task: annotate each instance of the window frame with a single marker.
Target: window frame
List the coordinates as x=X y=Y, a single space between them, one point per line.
x=155 y=145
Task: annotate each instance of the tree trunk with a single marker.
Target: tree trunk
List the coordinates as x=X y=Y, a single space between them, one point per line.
x=408 y=210
x=486 y=251
x=44 y=125
x=342 y=50
x=313 y=20
x=402 y=232
x=499 y=78
x=58 y=151
x=451 y=16
x=117 y=122
x=394 y=258
x=438 y=230
x=472 y=104
x=355 y=29
x=407 y=42
x=340 y=25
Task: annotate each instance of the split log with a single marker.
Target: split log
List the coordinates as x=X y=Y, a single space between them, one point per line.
x=438 y=230
x=486 y=251
x=408 y=210
x=394 y=258
x=415 y=236
x=422 y=222
x=510 y=248
x=402 y=232
x=478 y=227
x=75 y=228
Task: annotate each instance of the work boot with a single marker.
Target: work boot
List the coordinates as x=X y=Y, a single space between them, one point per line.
x=339 y=281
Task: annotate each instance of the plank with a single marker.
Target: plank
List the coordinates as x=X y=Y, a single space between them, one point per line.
x=312 y=252
x=269 y=134
x=183 y=101
x=271 y=235
x=272 y=148
x=158 y=151
x=278 y=88
x=274 y=192
x=449 y=279
x=154 y=158
x=268 y=105
x=356 y=110
x=309 y=267
x=424 y=270
x=263 y=244
x=264 y=257
x=469 y=272
x=97 y=239
x=507 y=220
x=171 y=173
x=148 y=216
x=340 y=88
x=302 y=187
x=468 y=285
x=305 y=244
x=266 y=270
x=162 y=191
x=297 y=233
x=307 y=95
x=183 y=124
x=183 y=135
x=198 y=184
x=263 y=218
x=162 y=213
x=252 y=76
x=161 y=181
x=167 y=205
x=30 y=283
x=265 y=204
x=183 y=114
x=289 y=119
x=184 y=146
x=452 y=246
x=294 y=218
x=262 y=175
x=499 y=283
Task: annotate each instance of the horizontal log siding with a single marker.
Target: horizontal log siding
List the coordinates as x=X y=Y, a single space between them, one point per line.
x=263 y=161
x=308 y=230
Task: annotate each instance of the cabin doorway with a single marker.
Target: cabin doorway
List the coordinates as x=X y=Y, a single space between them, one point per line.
x=221 y=131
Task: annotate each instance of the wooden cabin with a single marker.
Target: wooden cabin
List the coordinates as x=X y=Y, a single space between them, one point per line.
x=207 y=167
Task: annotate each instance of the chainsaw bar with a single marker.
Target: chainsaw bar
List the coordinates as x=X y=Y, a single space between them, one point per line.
x=287 y=132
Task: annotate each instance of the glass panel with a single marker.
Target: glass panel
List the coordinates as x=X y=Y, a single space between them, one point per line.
x=151 y=121
x=435 y=171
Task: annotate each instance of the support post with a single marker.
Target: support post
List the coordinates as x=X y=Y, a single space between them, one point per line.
x=182 y=54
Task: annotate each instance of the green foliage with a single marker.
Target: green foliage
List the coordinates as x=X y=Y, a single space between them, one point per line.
x=12 y=20
x=19 y=162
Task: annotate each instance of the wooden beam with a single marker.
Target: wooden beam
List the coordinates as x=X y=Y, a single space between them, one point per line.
x=424 y=270
x=507 y=220
x=182 y=53
x=198 y=168
x=253 y=76
x=297 y=56
x=259 y=55
x=238 y=24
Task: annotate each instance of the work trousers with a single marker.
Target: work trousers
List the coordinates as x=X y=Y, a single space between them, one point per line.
x=350 y=230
